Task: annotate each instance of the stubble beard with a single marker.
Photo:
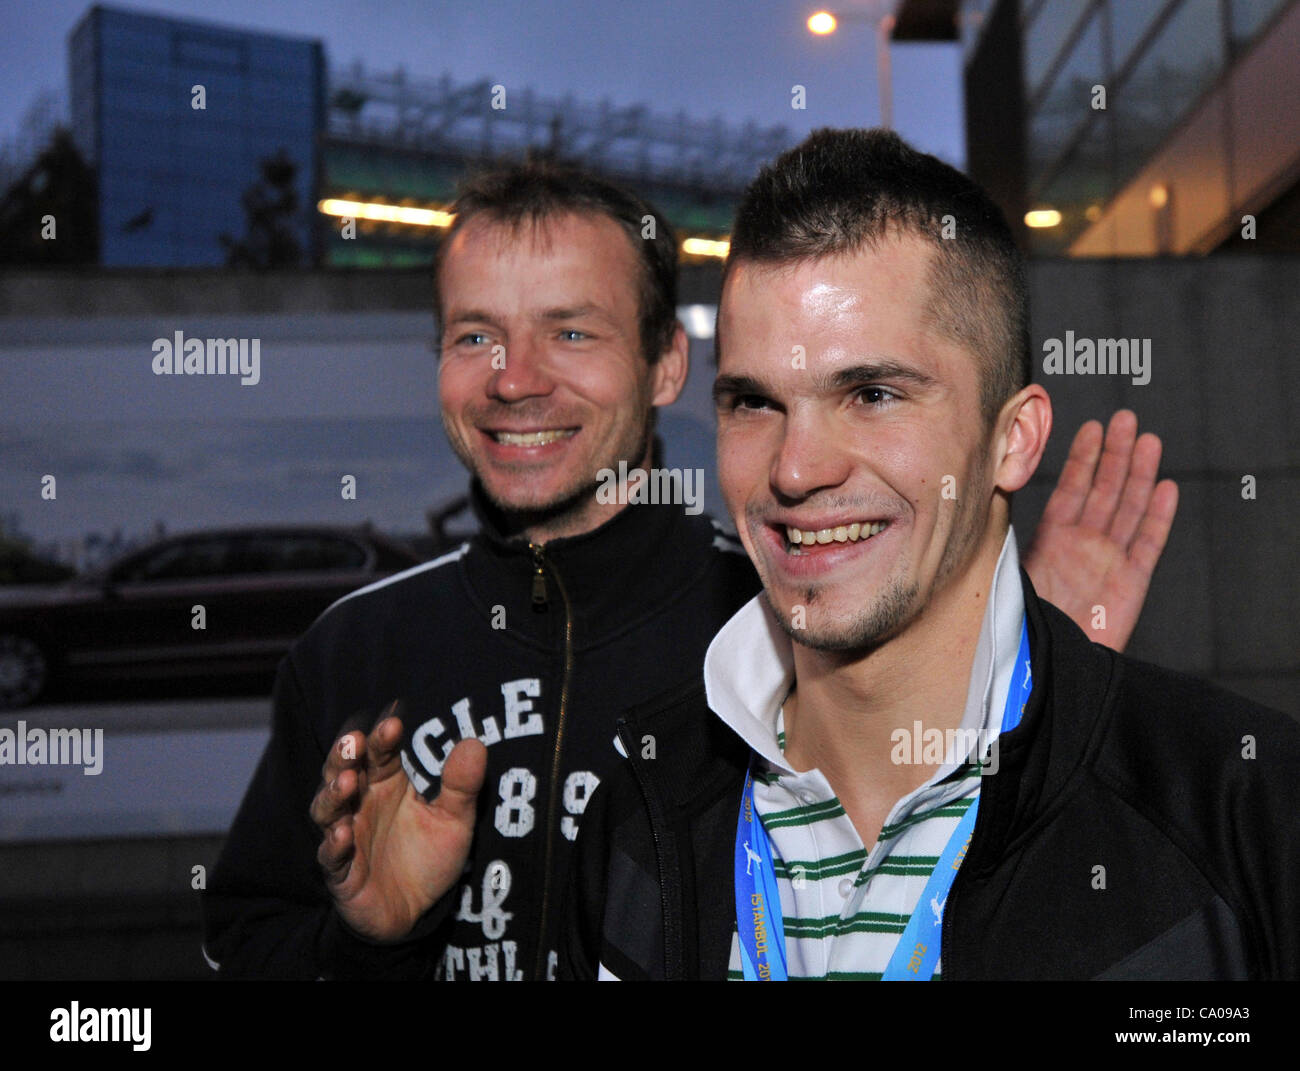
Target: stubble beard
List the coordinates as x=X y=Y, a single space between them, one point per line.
x=896 y=606
x=868 y=629
x=566 y=508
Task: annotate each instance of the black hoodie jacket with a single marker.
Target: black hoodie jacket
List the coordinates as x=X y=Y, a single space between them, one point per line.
x=1142 y=825
x=535 y=650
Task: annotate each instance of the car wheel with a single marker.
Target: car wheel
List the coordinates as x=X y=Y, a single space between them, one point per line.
x=24 y=670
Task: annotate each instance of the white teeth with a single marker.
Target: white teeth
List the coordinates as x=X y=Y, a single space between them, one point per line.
x=531 y=438
x=851 y=533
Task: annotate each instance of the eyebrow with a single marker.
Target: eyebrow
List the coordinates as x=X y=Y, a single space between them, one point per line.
x=856 y=375
x=573 y=312
x=730 y=386
x=471 y=316
x=871 y=372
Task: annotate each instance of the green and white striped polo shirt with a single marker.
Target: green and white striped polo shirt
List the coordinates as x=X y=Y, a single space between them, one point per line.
x=845 y=907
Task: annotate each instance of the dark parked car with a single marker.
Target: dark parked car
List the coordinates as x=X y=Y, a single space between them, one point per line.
x=260 y=588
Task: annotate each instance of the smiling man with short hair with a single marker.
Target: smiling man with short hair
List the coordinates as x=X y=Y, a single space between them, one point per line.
x=1101 y=818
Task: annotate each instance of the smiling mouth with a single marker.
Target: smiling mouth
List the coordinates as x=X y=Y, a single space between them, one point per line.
x=532 y=438
x=801 y=541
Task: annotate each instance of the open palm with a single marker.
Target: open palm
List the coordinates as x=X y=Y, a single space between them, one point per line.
x=1104 y=529
x=388 y=855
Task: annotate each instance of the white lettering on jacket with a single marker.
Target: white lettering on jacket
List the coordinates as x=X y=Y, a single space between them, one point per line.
x=433 y=740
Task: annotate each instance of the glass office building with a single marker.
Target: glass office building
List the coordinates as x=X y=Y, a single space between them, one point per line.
x=173 y=178
x=1156 y=60
x=1129 y=127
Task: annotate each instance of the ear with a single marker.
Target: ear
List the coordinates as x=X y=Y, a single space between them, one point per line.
x=1022 y=430
x=668 y=376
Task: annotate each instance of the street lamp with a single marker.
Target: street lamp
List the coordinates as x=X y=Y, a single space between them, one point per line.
x=824 y=23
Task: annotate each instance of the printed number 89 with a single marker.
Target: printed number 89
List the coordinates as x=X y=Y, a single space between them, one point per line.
x=515 y=815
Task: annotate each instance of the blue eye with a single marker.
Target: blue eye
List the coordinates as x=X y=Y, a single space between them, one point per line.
x=573 y=331
x=470 y=335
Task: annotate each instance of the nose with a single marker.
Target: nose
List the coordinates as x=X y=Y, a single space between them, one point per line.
x=525 y=373
x=808 y=458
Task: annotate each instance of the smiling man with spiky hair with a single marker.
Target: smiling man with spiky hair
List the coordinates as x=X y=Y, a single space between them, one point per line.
x=1121 y=832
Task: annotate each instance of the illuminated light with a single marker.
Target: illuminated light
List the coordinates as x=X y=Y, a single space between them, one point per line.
x=381 y=213
x=1042 y=217
x=822 y=23
x=1092 y=213
x=706 y=247
x=1159 y=195
x=699 y=320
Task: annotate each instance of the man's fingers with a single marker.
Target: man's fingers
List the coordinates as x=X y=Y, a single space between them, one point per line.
x=462 y=777
x=384 y=746
x=1138 y=489
x=334 y=800
x=348 y=750
x=1066 y=501
x=1112 y=471
x=335 y=853
x=1154 y=530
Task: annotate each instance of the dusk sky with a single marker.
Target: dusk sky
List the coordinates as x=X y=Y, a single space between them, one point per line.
x=737 y=59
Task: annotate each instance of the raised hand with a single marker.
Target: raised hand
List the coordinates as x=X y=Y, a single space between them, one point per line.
x=388 y=856
x=1104 y=529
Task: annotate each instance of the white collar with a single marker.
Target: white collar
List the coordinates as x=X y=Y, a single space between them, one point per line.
x=749 y=666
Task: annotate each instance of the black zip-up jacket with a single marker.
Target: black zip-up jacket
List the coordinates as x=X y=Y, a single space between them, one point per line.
x=1142 y=825
x=535 y=650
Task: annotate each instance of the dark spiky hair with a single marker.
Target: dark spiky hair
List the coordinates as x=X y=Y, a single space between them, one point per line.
x=841 y=191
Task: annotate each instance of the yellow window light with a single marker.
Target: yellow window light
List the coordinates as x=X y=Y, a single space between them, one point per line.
x=706 y=247
x=382 y=213
x=1043 y=217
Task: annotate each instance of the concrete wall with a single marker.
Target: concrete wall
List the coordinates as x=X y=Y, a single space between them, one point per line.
x=86 y=292
x=1224 y=396
x=103 y=909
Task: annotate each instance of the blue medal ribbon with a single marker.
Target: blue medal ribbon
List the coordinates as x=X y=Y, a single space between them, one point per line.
x=917 y=950
x=758 y=898
x=758 y=903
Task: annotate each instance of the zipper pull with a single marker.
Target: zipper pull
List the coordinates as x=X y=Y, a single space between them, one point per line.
x=539 y=577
